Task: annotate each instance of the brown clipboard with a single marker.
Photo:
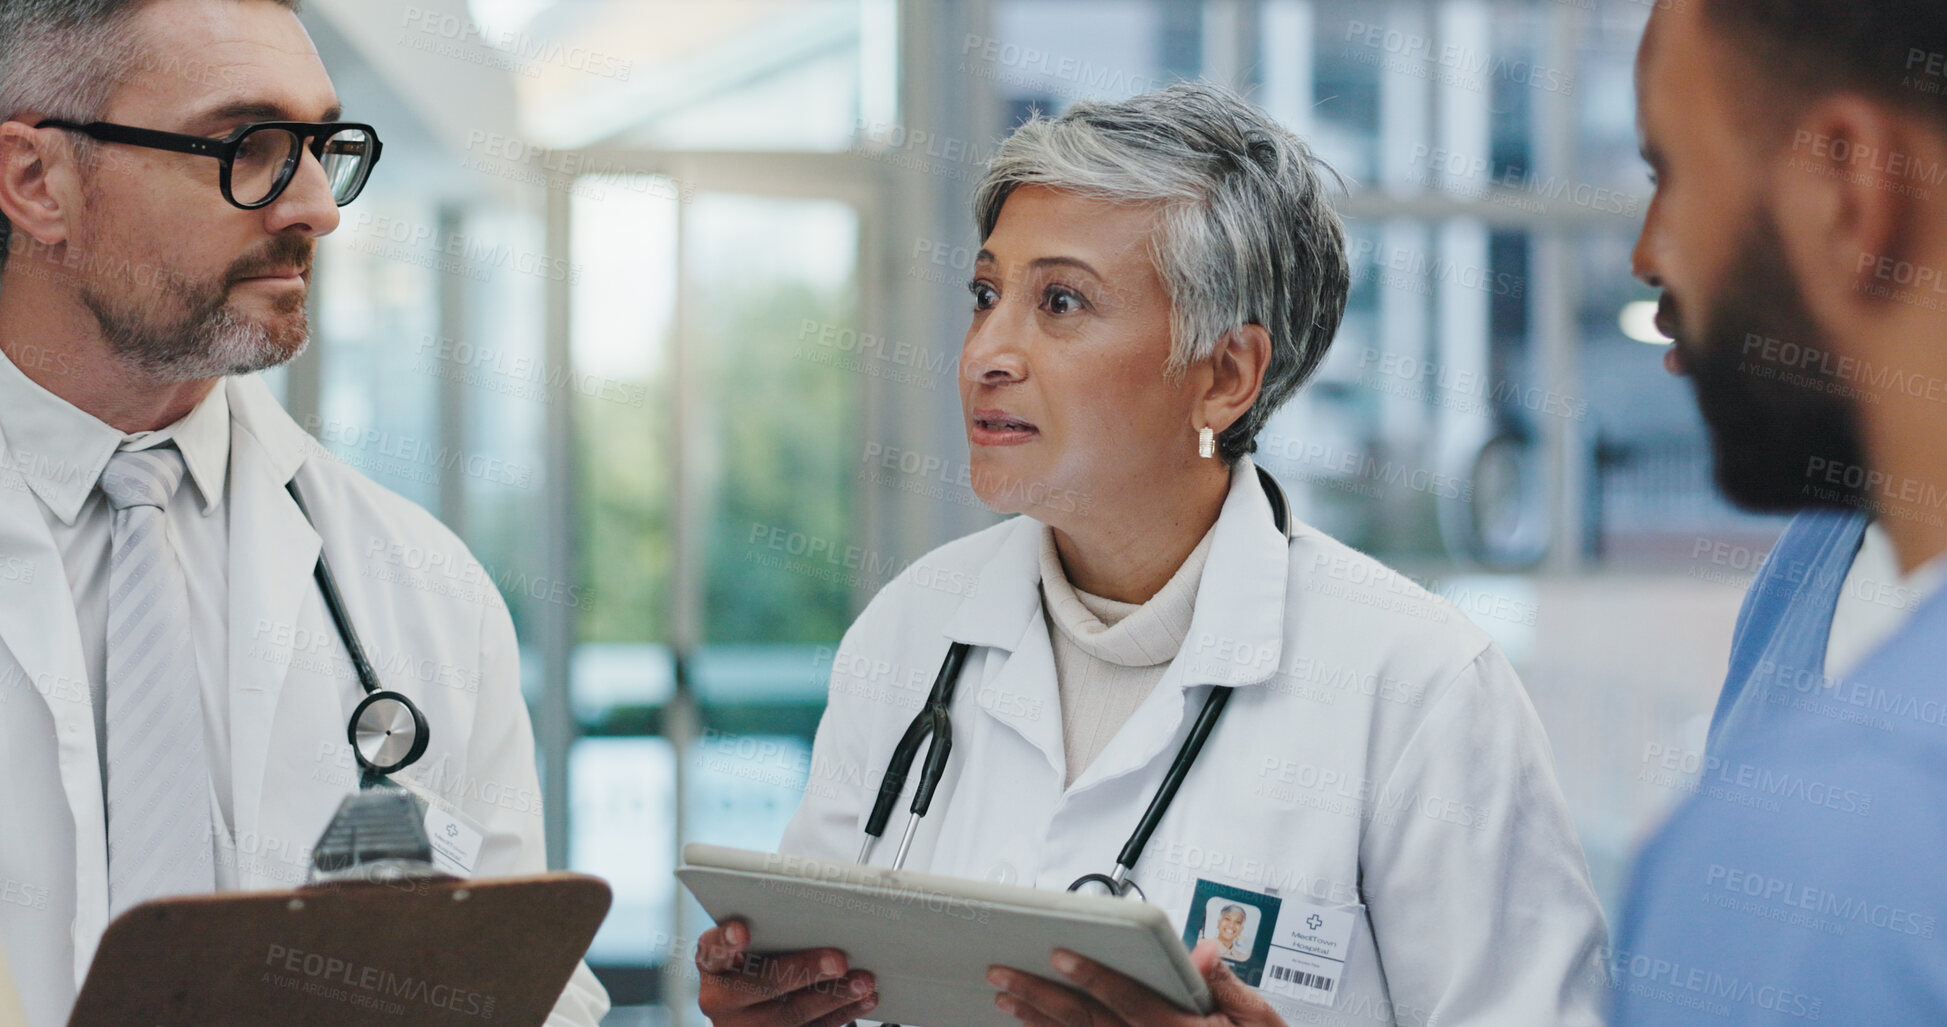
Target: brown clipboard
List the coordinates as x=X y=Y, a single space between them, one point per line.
x=491 y=951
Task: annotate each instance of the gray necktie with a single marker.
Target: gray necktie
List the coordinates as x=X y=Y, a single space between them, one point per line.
x=159 y=835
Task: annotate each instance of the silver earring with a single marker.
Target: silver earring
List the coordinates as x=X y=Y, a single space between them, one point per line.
x=1206 y=442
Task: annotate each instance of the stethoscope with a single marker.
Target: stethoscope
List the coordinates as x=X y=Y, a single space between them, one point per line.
x=933 y=726
x=387 y=730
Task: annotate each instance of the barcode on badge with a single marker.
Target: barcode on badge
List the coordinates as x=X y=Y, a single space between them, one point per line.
x=1300 y=978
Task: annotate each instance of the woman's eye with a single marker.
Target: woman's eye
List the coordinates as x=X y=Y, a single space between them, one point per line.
x=1063 y=301
x=984 y=295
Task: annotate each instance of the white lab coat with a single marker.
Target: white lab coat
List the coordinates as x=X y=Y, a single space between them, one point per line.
x=1379 y=755
x=430 y=620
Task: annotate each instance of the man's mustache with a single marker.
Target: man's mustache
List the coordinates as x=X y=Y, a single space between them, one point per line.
x=283 y=253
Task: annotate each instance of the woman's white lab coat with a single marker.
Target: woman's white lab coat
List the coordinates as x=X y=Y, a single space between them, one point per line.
x=1379 y=756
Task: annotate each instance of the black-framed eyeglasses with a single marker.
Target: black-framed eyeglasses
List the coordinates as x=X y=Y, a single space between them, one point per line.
x=261 y=159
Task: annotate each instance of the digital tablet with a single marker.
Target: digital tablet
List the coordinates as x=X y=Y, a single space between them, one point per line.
x=929 y=939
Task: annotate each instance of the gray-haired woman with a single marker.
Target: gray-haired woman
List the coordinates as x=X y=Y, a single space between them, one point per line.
x=1156 y=276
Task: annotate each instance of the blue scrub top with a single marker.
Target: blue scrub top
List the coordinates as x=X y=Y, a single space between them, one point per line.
x=1805 y=878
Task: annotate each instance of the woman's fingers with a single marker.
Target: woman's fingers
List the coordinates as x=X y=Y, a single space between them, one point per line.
x=1236 y=1001
x=717 y=950
x=823 y=1003
x=1044 y=1003
x=849 y=1013
x=763 y=978
x=738 y=987
x=1129 y=1000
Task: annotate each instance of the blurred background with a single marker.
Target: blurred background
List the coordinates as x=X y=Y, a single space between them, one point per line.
x=658 y=303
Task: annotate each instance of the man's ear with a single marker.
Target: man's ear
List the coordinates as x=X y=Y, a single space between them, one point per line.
x=37 y=183
x=1237 y=367
x=1847 y=203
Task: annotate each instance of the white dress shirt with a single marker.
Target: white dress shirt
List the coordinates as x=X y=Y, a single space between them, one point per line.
x=60 y=452
x=277 y=724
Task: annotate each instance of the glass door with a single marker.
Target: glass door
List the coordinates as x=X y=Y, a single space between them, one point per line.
x=714 y=531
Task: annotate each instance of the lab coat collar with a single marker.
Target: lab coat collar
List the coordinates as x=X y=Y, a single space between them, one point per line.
x=56 y=447
x=1008 y=594
x=282 y=445
x=1236 y=633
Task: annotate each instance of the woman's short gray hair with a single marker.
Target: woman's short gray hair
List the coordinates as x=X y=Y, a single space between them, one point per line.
x=1247 y=235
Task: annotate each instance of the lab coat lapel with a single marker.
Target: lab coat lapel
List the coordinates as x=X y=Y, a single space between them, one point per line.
x=41 y=633
x=1018 y=689
x=40 y=629
x=1236 y=635
x=272 y=552
x=1016 y=679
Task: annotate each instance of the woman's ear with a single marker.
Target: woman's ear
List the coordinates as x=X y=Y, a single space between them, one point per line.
x=1237 y=367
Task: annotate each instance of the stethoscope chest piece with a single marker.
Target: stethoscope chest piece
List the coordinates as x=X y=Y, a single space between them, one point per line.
x=387 y=732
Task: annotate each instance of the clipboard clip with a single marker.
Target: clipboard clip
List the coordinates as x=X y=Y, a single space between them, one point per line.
x=378 y=834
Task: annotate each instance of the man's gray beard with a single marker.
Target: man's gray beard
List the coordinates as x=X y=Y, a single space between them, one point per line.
x=210 y=341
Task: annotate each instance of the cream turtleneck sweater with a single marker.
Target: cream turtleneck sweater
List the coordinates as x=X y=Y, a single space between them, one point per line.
x=1110 y=655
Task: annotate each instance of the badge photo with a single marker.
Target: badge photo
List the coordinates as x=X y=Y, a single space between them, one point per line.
x=1238 y=920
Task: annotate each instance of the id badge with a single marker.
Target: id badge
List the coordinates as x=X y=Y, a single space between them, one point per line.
x=456 y=842
x=1281 y=946
x=456 y=838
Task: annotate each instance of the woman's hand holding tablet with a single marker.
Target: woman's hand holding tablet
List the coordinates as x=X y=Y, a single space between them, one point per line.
x=812 y=988
x=1096 y=996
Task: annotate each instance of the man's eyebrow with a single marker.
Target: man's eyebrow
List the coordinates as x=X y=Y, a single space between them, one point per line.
x=257 y=110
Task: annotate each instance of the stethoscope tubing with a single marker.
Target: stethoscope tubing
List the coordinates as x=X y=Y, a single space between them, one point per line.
x=933 y=727
x=376 y=695
x=933 y=722
x=1186 y=757
x=335 y=605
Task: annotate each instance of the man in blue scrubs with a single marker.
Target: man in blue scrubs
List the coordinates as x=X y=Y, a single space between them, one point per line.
x=1799 y=235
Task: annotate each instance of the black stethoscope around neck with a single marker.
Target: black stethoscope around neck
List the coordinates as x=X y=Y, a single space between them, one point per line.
x=933 y=726
x=387 y=730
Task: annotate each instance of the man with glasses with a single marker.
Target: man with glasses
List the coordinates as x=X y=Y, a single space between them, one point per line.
x=173 y=694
